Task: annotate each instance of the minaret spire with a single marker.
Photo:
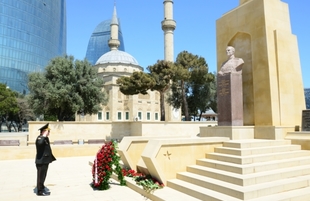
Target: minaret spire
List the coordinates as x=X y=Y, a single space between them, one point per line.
x=114 y=42
x=168 y=26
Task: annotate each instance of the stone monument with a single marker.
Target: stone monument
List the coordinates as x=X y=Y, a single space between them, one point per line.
x=273 y=96
x=229 y=91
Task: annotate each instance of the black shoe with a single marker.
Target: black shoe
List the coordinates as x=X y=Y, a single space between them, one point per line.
x=44 y=194
x=46 y=189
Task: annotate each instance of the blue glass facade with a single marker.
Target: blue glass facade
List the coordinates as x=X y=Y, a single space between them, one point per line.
x=98 y=42
x=32 y=32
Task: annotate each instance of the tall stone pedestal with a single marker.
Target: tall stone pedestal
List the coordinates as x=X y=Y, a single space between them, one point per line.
x=230 y=99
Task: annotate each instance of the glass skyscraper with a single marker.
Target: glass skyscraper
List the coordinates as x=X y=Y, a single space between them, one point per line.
x=98 y=42
x=32 y=32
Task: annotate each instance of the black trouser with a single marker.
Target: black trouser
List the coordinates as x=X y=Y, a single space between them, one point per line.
x=41 y=175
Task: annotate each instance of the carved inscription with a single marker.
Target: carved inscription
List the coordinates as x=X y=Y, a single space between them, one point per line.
x=305 y=120
x=223 y=87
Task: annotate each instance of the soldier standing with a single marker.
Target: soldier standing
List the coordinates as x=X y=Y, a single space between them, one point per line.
x=44 y=157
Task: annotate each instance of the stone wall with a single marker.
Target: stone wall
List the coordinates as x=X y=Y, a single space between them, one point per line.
x=85 y=131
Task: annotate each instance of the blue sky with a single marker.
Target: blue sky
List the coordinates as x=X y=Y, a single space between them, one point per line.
x=195 y=32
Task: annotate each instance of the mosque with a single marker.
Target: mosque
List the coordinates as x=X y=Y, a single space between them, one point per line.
x=117 y=63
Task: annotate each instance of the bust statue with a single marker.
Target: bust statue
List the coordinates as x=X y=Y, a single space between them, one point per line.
x=232 y=64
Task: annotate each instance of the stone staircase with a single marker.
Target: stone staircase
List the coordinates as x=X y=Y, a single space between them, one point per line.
x=254 y=170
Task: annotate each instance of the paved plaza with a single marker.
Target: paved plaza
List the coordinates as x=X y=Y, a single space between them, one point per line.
x=67 y=179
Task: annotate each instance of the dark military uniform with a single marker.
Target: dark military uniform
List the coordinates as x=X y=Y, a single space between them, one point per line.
x=44 y=156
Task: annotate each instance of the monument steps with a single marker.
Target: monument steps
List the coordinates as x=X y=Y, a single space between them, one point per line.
x=251 y=143
x=204 y=194
x=198 y=191
x=250 y=179
x=248 y=170
x=294 y=195
x=256 y=150
x=254 y=167
x=245 y=192
x=256 y=158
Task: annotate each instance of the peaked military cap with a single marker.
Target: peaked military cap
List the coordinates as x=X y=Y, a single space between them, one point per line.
x=45 y=127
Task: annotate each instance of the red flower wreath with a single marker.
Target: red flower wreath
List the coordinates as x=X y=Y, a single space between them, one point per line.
x=105 y=163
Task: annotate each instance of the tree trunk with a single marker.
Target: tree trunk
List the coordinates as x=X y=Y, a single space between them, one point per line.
x=8 y=125
x=200 y=115
x=13 y=124
x=162 y=106
x=185 y=107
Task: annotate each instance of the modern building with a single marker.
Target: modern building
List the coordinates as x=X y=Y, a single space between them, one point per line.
x=32 y=32
x=98 y=42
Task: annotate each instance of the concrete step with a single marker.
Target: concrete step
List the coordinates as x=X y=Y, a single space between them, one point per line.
x=199 y=192
x=256 y=150
x=247 y=192
x=250 y=179
x=251 y=143
x=302 y=194
x=254 y=167
x=257 y=158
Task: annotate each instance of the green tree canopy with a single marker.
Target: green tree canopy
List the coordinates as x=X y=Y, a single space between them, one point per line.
x=162 y=72
x=8 y=104
x=138 y=82
x=157 y=79
x=191 y=86
x=202 y=96
x=25 y=112
x=67 y=86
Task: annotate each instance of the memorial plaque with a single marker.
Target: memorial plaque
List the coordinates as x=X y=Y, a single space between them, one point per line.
x=305 y=125
x=230 y=99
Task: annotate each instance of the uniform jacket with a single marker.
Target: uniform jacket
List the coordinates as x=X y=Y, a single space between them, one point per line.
x=44 y=151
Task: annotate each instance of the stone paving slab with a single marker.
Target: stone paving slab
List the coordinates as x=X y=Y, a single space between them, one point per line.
x=67 y=179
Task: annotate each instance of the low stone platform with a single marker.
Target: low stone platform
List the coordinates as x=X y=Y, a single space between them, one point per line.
x=301 y=137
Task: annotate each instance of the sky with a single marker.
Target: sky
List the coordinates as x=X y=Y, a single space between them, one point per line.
x=195 y=27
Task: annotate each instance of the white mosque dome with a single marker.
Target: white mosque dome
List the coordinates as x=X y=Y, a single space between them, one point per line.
x=117 y=56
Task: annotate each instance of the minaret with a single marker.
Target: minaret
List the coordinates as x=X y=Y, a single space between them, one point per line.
x=168 y=26
x=114 y=42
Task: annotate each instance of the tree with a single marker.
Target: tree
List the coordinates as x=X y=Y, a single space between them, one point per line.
x=162 y=72
x=202 y=96
x=138 y=82
x=157 y=79
x=191 y=88
x=213 y=94
x=8 y=104
x=25 y=113
x=66 y=87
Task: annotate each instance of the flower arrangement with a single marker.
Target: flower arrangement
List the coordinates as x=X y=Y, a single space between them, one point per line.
x=105 y=163
x=148 y=183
